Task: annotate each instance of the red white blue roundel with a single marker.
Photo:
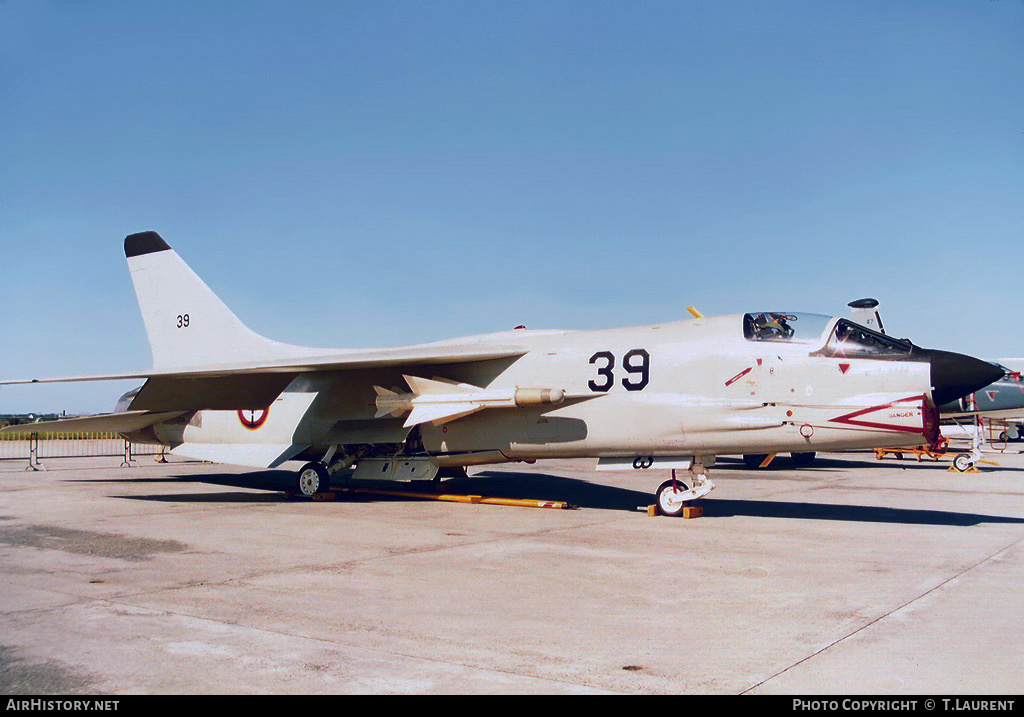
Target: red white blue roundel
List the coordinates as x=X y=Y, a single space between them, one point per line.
x=253 y=419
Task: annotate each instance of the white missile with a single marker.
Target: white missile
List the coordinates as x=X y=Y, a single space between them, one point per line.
x=440 y=401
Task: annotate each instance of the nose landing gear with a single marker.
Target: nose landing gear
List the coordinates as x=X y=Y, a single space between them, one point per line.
x=674 y=496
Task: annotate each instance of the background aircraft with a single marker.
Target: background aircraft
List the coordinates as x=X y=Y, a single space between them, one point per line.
x=1001 y=403
x=668 y=396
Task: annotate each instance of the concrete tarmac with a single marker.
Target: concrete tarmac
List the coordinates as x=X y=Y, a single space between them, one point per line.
x=851 y=576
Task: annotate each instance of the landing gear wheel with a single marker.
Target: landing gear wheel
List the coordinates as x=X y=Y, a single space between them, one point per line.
x=963 y=462
x=669 y=498
x=313 y=478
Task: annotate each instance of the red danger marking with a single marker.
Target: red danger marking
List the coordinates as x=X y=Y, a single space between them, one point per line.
x=844 y=367
x=253 y=419
x=894 y=412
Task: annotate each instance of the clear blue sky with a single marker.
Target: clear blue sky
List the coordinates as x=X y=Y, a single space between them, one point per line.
x=360 y=174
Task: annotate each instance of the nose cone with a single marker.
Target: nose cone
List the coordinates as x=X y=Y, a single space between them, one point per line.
x=955 y=375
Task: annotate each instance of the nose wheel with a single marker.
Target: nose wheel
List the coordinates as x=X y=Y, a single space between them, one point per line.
x=670 y=496
x=674 y=496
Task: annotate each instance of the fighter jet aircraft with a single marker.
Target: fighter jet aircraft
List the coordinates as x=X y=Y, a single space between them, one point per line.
x=666 y=396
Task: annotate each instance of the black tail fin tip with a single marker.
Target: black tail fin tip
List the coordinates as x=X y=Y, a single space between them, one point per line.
x=143 y=243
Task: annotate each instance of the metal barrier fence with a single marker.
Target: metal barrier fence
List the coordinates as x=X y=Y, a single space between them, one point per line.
x=34 y=448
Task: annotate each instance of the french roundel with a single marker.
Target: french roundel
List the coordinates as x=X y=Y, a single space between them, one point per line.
x=253 y=419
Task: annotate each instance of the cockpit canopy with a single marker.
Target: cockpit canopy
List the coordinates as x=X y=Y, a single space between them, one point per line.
x=846 y=338
x=850 y=339
x=797 y=328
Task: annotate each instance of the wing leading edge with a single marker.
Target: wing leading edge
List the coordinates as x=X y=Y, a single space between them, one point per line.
x=254 y=385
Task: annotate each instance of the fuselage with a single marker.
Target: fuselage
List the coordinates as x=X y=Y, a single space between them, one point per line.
x=707 y=386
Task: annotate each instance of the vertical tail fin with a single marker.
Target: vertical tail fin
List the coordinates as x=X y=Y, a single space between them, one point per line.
x=187 y=324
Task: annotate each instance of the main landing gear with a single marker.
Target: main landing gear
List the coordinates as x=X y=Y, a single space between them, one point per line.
x=315 y=476
x=674 y=496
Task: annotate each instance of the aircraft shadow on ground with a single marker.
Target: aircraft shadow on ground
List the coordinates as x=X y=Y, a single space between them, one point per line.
x=849 y=513
x=273 y=482
x=531 y=486
x=578 y=493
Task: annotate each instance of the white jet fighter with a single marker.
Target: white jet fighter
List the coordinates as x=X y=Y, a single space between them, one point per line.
x=666 y=396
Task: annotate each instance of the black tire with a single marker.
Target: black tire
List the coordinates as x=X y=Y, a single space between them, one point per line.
x=753 y=461
x=313 y=478
x=963 y=462
x=667 y=503
x=803 y=459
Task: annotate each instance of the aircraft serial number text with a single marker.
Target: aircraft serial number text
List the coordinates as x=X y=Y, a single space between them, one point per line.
x=636 y=362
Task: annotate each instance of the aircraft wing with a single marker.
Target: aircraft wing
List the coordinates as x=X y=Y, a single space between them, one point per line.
x=255 y=385
x=123 y=422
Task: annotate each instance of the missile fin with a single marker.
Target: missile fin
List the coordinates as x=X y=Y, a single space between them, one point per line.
x=386 y=403
x=440 y=413
x=428 y=386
